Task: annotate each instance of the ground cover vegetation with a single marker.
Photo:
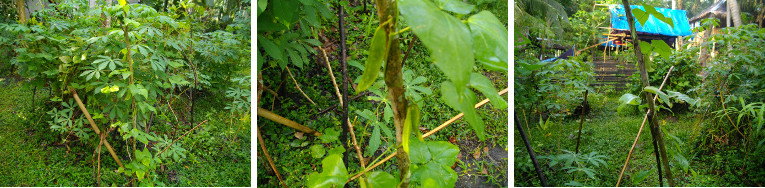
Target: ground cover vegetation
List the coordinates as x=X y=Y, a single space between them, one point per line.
x=708 y=110
x=414 y=64
x=160 y=89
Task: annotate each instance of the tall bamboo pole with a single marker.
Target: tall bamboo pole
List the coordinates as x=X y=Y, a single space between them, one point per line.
x=531 y=151
x=344 y=136
x=95 y=128
x=655 y=130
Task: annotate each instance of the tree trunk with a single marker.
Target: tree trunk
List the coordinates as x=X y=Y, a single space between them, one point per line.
x=735 y=12
x=679 y=42
x=393 y=81
x=655 y=130
x=21 y=12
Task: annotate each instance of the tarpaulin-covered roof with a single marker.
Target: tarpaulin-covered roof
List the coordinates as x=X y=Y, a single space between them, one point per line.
x=653 y=25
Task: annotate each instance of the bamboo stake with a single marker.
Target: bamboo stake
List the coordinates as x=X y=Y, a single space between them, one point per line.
x=95 y=128
x=582 y=120
x=332 y=75
x=455 y=118
x=184 y=134
x=531 y=151
x=284 y=121
x=655 y=130
x=641 y=130
x=298 y=87
x=268 y=157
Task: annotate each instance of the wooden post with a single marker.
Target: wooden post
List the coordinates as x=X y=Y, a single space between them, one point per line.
x=584 y=103
x=655 y=130
x=95 y=128
x=345 y=125
x=531 y=151
x=284 y=121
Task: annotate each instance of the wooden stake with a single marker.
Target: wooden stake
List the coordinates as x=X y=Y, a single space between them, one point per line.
x=332 y=75
x=531 y=151
x=655 y=130
x=298 y=87
x=582 y=120
x=268 y=157
x=641 y=130
x=284 y=121
x=95 y=128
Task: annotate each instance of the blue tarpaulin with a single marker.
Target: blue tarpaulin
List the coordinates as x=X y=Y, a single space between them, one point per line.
x=653 y=25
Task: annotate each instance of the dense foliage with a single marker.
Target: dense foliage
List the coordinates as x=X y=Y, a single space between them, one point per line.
x=132 y=64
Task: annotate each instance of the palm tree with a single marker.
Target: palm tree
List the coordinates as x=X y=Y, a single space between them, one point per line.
x=735 y=11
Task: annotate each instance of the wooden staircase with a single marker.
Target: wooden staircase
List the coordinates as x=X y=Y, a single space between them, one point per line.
x=611 y=72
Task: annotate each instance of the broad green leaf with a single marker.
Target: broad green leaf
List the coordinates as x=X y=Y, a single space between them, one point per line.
x=262 y=4
x=271 y=48
x=489 y=40
x=663 y=96
x=65 y=59
x=374 y=141
x=317 y=151
x=661 y=48
x=640 y=15
x=336 y=150
x=645 y=48
x=139 y=173
x=464 y=102
x=377 y=53
x=640 y=176
x=681 y=97
x=532 y=67
x=284 y=11
x=330 y=135
x=433 y=159
x=445 y=36
x=381 y=179
x=484 y=85
x=626 y=99
x=456 y=6
x=334 y=174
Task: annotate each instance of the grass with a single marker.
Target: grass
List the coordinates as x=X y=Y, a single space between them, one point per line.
x=611 y=134
x=32 y=156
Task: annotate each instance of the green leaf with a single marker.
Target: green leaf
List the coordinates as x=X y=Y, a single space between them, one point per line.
x=645 y=48
x=456 y=6
x=412 y=121
x=484 y=85
x=140 y=173
x=271 y=48
x=640 y=176
x=661 y=48
x=664 y=98
x=374 y=141
x=464 y=102
x=284 y=11
x=433 y=159
x=334 y=174
x=377 y=53
x=317 y=151
x=489 y=41
x=330 y=135
x=445 y=36
x=381 y=179
x=640 y=15
x=626 y=99
x=532 y=67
